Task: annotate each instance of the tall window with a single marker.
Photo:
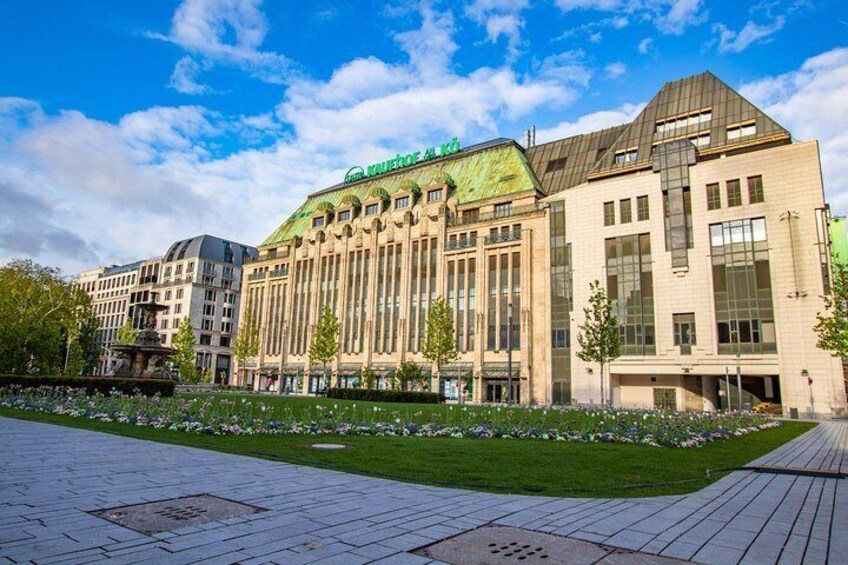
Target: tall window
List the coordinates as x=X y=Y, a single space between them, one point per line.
x=734 y=193
x=684 y=332
x=742 y=287
x=625 y=211
x=609 y=213
x=755 y=190
x=642 y=211
x=713 y=196
x=630 y=285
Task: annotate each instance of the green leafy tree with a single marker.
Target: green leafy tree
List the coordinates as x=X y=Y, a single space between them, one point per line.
x=440 y=336
x=40 y=312
x=247 y=340
x=832 y=325
x=408 y=375
x=83 y=347
x=367 y=378
x=598 y=336
x=184 y=343
x=126 y=335
x=325 y=341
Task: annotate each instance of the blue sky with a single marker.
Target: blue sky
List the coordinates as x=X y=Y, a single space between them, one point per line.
x=127 y=125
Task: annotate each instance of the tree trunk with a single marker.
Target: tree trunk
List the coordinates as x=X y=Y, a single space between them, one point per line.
x=603 y=396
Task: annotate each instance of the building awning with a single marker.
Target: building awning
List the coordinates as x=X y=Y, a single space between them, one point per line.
x=292 y=370
x=349 y=370
x=500 y=371
x=457 y=370
x=384 y=370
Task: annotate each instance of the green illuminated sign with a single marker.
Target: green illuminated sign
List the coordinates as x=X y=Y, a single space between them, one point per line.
x=401 y=161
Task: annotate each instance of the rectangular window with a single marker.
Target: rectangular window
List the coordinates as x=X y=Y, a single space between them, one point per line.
x=609 y=213
x=642 y=211
x=713 y=196
x=318 y=222
x=178 y=308
x=627 y=156
x=372 y=209
x=625 y=211
x=735 y=132
x=205 y=339
x=560 y=339
x=402 y=202
x=210 y=295
x=435 y=195
x=206 y=325
x=734 y=193
x=344 y=215
x=684 y=332
x=755 y=190
x=470 y=215
x=208 y=309
x=630 y=287
x=224 y=341
x=556 y=165
x=665 y=399
x=502 y=210
x=742 y=287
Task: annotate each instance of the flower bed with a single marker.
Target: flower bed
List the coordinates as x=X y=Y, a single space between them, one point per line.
x=219 y=415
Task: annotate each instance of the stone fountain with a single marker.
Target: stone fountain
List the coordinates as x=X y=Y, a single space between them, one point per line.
x=147 y=357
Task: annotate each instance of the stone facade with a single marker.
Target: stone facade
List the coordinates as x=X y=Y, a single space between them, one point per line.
x=702 y=219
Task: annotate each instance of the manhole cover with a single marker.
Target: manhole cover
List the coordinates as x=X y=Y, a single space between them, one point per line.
x=173 y=513
x=491 y=545
x=328 y=446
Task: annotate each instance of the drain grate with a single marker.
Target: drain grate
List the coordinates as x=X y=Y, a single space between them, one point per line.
x=173 y=513
x=495 y=545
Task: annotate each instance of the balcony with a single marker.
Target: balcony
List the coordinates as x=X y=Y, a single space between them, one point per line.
x=461 y=243
x=281 y=272
x=257 y=276
x=503 y=237
x=515 y=211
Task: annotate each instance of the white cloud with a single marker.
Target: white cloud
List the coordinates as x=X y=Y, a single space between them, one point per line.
x=730 y=41
x=595 y=121
x=183 y=78
x=126 y=190
x=615 y=70
x=812 y=102
x=226 y=32
x=668 y=16
x=568 y=67
x=501 y=18
x=646 y=45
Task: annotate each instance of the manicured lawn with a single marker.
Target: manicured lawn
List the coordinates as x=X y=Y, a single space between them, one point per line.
x=496 y=465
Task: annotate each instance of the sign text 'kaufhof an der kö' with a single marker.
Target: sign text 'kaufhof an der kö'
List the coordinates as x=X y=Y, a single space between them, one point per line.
x=401 y=161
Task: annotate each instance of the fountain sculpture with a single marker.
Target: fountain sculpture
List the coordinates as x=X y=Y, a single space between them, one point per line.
x=146 y=357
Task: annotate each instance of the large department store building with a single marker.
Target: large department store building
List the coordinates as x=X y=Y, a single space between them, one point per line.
x=703 y=219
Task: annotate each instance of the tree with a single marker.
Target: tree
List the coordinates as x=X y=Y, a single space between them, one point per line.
x=40 y=313
x=407 y=373
x=367 y=378
x=83 y=346
x=247 y=340
x=598 y=336
x=325 y=340
x=184 y=343
x=126 y=335
x=832 y=326
x=440 y=337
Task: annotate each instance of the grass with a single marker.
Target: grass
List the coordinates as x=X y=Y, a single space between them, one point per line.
x=506 y=466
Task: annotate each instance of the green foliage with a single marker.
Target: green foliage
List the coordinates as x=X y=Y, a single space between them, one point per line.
x=385 y=395
x=832 y=326
x=247 y=340
x=40 y=316
x=598 y=336
x=440 y=337
x=126 y=335
x=184 y=343
x=408 y=375
x=104 y=385
x=367 y=378
x=325 y=340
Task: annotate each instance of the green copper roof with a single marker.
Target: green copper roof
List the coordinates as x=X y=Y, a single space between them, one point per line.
x=478 y=174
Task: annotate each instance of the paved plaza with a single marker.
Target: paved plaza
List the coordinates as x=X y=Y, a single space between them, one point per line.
x=51 y=477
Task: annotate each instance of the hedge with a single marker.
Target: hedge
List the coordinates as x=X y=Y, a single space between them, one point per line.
x=104 y=385
x=385 y=395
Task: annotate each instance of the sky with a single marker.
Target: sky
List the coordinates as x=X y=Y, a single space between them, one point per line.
x=126 y=126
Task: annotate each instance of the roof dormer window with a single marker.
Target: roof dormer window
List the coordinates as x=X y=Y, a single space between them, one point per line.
x=318 y=222
x=372 y=209
x=401 y=202
x=344 y=216
x=435 y=195
x=626 y=156
x=741 y=130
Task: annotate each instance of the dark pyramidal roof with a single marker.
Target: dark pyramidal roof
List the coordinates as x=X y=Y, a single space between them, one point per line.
x=700 y=108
